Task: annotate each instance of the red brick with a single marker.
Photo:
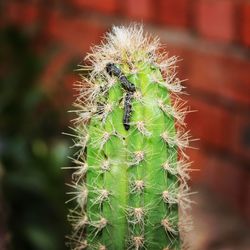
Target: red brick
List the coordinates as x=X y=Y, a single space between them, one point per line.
x=142 y=10
x=219 y=128
x=212 y=124
x=173 y=12
x=216 y=19
x=224 y=178
x=227 y=180
x=21 y=14
x=56 y=82
x=242 y=136
x=30 y=14
x=54 y=69
x=245 y=25
x=76 y=33
x=65 y=91
x=12 y=12
x=223 y=76
x=107 y=6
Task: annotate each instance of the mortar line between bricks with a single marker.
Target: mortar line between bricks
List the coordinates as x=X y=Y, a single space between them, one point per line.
x=216 y=100
x=225 y=155
x=179 y=38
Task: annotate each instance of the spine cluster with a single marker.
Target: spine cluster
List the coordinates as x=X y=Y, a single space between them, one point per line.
x=131 y=169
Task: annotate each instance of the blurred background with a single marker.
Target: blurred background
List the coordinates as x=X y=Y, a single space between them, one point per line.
x=41 y=43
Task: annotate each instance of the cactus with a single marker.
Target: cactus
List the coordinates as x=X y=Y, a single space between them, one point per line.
x=130 y=183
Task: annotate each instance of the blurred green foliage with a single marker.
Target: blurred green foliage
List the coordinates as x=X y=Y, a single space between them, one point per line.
x=32 y=149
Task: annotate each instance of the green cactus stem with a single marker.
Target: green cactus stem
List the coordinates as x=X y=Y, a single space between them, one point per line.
x=131 y=168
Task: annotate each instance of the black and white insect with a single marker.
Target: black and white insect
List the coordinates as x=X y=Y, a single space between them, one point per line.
x=126 y=84
x=128 y=87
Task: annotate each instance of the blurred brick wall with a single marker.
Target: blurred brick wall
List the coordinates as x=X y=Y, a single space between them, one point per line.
x=212 y=37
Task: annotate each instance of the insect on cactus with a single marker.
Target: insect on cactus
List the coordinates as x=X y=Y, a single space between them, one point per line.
x=130 y=183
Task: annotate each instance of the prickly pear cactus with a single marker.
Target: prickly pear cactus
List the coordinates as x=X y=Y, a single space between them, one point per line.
x=131 y=167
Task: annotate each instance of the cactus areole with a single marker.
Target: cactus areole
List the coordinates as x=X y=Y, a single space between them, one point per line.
x=131 y=167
